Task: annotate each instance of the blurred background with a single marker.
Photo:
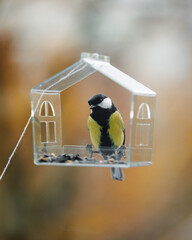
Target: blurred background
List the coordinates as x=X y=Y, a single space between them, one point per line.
x=149 y=40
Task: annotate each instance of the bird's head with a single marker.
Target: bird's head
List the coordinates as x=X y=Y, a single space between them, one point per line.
x=100 y=101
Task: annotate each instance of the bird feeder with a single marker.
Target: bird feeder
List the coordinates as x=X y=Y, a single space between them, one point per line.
x=50 y=126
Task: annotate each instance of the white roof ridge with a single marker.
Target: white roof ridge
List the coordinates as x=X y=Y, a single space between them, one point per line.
x=119 y=77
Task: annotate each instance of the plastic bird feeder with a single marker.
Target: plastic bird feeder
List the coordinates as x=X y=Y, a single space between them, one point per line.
x=47 y=119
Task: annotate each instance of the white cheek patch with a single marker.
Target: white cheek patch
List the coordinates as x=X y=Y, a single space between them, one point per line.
x=106 y=103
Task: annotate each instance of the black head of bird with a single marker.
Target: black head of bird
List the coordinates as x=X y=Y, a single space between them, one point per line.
x=101 y=106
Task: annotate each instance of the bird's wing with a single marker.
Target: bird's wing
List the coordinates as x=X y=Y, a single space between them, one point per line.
x=117 y=129
x=94 y=131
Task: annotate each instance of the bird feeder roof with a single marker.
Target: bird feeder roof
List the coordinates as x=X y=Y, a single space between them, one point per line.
x=87 y=65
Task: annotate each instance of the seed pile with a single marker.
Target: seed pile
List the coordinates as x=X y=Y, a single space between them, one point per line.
x=65 y=158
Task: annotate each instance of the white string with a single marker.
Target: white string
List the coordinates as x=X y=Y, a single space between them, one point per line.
x=73 y=71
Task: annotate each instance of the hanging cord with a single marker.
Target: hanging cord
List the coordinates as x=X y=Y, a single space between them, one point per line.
x=73 y=71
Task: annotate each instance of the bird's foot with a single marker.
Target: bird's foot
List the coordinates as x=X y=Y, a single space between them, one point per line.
x=89 y=148
x=122 y=150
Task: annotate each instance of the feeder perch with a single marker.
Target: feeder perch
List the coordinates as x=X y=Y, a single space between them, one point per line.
x=48 y=131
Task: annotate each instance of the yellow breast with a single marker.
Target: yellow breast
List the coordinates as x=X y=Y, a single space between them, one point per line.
x=95 y=131
x=116 y=129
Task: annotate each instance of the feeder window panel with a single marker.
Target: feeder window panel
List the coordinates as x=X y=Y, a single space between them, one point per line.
x=144 y=111
x=142 y=134
x=46 y=109
x=52 y=131
x=48 y=132
x=43 y=132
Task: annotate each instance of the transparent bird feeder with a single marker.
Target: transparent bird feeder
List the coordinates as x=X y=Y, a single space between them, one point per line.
x=59 y=115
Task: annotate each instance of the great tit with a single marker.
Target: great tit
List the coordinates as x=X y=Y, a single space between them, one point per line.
x=107 y=131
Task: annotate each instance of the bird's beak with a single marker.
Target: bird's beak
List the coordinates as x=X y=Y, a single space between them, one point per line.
x=92 y=106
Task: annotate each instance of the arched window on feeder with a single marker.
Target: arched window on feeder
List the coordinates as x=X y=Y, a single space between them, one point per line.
x=48 y=127
x=143 y=127
x=46 y=109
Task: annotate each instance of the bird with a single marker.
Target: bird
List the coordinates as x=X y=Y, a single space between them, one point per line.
x=107 y=130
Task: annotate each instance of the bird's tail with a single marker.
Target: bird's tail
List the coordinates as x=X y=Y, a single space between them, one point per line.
x=117 y=174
